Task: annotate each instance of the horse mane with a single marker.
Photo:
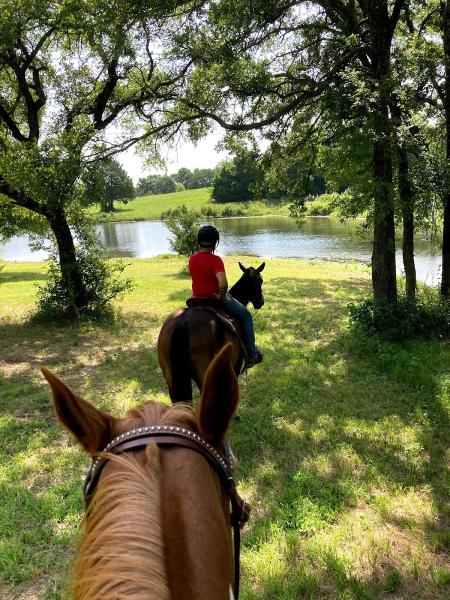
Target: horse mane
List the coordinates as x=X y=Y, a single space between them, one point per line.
x=122 y=552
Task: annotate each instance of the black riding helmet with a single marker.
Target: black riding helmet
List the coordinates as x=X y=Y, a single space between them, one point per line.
x=208 y=236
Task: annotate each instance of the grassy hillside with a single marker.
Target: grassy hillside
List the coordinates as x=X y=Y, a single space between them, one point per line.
x=343 y=442
x=152 y=207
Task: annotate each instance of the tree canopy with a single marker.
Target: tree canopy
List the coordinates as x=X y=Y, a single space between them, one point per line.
x=355 y=90
x=106 y=181
x=69 y=71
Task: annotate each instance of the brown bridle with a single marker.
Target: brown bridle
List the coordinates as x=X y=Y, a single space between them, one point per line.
x=171 y=435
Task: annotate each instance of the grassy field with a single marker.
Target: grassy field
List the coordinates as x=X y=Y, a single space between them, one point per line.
x=152 y=207
x=343 y=440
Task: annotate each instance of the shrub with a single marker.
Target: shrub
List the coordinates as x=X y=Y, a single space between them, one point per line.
x=102 y=279
x=183 y=224
x=426 y=317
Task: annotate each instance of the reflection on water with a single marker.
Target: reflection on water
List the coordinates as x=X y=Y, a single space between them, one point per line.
x=140 y=239
x=318 y=238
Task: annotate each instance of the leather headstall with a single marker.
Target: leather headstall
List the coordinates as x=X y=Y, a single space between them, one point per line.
x=173 y=436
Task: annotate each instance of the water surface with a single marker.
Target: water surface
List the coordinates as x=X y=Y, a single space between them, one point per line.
x=322 y=238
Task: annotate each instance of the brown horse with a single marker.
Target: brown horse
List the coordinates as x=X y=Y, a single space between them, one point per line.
x=157 y=524
x=191 y=337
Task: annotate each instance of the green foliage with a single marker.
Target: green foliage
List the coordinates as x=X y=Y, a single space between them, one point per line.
x=426 y=317
x=101 y=279
x=192 y=180
x=179 y=187
x=15 y=220
x=239 y=179
x=156 y=184
x=183 y=225
x=106 y=181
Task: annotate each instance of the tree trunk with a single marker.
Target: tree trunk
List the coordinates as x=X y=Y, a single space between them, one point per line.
x=384 y=279
x=408 y=253
x=108 y=204
x=407 y=203
x=70 y=269
x=445 y=281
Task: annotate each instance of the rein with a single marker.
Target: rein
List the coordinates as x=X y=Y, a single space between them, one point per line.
x=170 y=435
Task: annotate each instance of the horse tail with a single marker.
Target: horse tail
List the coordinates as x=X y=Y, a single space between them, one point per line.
x=180 y=363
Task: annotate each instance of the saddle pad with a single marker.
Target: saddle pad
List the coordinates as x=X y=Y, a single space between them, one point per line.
x=213 y=306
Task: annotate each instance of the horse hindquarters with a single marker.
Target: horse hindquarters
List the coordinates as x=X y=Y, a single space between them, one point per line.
x=188 y=342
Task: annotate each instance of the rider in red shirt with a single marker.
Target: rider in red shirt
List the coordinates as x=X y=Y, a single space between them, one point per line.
x=209 y=279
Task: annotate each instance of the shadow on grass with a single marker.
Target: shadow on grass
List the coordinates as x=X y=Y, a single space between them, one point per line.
x=328 y=576
x=16 y=276
x=96 y=360
x=328 y=421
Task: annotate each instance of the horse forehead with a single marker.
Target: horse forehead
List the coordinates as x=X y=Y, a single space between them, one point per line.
x=254 y=274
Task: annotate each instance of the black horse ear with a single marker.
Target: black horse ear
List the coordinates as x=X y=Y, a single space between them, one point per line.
x=242 y=267
x=261 y=267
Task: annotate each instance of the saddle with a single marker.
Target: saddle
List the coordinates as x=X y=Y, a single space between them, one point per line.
x=215 y=306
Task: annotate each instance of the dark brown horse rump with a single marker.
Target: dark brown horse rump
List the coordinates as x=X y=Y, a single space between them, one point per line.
x=191 y=337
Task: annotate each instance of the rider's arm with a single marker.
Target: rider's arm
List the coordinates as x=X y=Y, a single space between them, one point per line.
x=223 y=285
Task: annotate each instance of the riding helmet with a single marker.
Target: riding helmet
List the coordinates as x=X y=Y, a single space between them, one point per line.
x=208 y=236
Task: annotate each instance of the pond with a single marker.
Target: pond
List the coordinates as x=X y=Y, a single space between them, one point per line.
x=322 y=238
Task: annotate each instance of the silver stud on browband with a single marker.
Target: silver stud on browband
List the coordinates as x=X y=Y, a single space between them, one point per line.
x=164 y=429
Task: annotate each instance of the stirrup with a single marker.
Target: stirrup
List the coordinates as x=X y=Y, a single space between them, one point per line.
x=258 y=358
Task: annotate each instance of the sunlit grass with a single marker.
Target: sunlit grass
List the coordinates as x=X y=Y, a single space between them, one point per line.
x=343 y=440
x=152 y=207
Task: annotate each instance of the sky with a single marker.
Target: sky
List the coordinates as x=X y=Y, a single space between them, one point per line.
x=203 y=155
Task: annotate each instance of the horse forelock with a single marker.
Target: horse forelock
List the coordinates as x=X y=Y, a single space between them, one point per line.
x=122 y=552
x=155 y=413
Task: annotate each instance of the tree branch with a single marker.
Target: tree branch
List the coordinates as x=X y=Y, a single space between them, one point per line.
x=19 y=198
x=103 y=97
x=32 y=105
x=11 y=125
x=396 y=12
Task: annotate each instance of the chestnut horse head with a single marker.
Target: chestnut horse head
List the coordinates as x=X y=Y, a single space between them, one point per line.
x=157 y=524
x=190 y=338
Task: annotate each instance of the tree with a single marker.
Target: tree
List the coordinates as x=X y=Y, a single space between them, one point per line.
x=198 y=178
x=240 y=179
x=281 y=61
x=106 y=181
x=183 y=224
x=156 y=184
x=62 y=85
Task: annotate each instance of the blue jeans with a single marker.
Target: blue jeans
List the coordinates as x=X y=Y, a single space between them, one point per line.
x=241 y=312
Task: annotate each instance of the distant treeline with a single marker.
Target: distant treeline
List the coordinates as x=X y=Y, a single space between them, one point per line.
x=242 y=178
x=184 y=179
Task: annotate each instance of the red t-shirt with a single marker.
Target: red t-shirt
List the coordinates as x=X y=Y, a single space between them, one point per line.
x=203 y=267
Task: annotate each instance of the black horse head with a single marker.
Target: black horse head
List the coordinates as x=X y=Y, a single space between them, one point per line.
x=249 y=287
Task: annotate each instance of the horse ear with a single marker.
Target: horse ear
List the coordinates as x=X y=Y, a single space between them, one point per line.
x=220 y=397
x=242 y=267
x=261 y=267
x=91 y=427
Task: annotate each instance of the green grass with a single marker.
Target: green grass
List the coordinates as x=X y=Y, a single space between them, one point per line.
x=343 y=440
x=152 y=207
